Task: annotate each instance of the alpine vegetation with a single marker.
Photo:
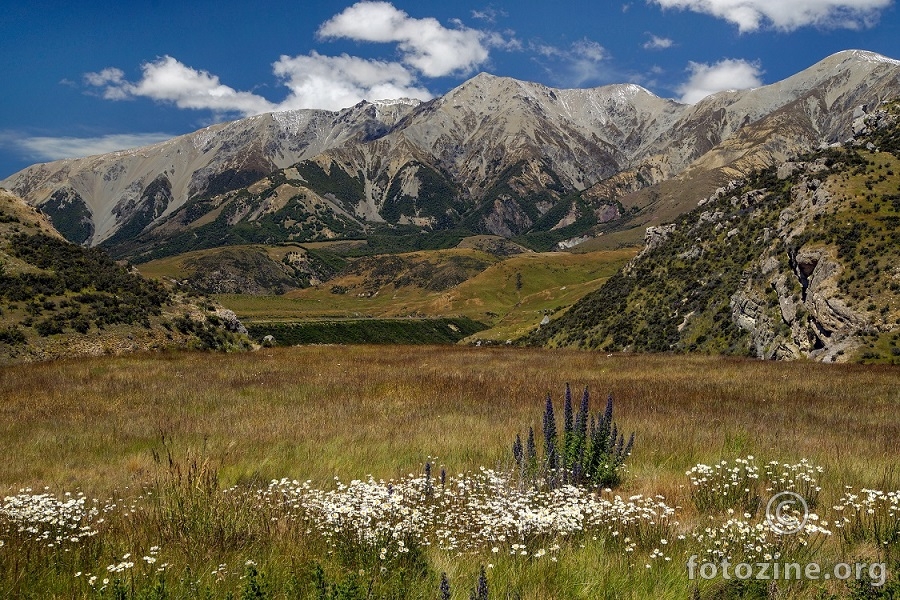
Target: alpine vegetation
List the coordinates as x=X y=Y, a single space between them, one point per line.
x=735 y=485
x=383 y=539
x=871 y=516
x=592 y=452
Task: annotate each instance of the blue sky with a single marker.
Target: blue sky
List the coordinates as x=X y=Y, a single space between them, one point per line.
x=88 y=77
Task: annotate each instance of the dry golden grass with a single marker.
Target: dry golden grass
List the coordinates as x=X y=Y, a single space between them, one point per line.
x=321 y=411
x=316 y=412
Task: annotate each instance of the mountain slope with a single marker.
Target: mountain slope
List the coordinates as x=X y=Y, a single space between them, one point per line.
x=95 y=198
x=495 y=155
x=259 y=270
x=61 y=300
x=767 y=125
x=799 y=261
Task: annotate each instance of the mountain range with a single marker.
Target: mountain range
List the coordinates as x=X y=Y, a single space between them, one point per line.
x=794 y=261
x=549 y=168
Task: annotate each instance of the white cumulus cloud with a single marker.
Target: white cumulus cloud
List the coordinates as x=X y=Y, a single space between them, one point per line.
x=111 y=79
x=786 y=15
x=168 y=80
x=727 y=74
x=334 y=82
x=426 y=49
x=658 y=43
x=424 y=44
x=583 y=62
x=56 y=148
x=313 y=81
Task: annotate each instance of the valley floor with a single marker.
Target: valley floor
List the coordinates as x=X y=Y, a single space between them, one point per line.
x=158 y=439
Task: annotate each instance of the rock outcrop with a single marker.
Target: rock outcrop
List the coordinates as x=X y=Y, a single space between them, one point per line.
x=795 y=261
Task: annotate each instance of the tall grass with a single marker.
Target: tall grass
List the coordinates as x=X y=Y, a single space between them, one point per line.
x=177 y=448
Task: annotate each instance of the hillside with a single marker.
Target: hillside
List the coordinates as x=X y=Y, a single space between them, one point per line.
x=795 y=261
x=508 y=294
x=499 y=156
x=61 y=300
x=247 y=269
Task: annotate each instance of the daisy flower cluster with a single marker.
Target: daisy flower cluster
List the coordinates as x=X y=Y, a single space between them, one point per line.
x=370 y=513
x=475 y=512
x=801 y=478
x=735 y=485
x=744 y=538
x=723 y=485
x=47 y=518
x=869 y=515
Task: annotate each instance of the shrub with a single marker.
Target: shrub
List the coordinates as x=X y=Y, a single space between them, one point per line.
x=12 y=335
x=48 y=326
x=210 y=333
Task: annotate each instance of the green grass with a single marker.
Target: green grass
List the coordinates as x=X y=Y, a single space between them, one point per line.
x=183 y=426
x=511 y=295
x=368 y=331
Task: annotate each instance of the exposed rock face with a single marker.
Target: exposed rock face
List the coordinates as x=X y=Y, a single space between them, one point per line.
x=657 y=236
x=830 y=325
x=654 y=237
x=230 y=321
x=748 y=313
x=120 y=186
x=506 y=218
x=797 y=261
x=495 y=154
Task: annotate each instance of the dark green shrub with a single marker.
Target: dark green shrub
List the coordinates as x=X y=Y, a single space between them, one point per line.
x=48 y=326
x=12 y=335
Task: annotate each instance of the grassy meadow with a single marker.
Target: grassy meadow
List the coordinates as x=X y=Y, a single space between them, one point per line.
x=174 y=453
x=511 y=295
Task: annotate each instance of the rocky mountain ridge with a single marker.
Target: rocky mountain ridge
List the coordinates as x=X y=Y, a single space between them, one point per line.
x=798 y=261
x=133 y=188
x=495 y=155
